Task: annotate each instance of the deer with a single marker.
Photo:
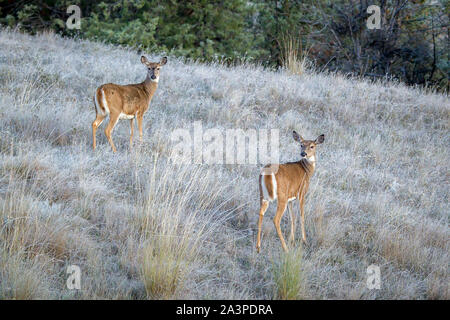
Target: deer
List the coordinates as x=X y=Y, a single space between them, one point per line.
x=126 y=102
x=289 y=182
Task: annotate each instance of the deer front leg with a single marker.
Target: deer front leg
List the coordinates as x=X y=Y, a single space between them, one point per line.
x=264 y=206
x=302 y=215
x=291 y=212
x=139 y=121
x=131 y=132
x=113 y=118
x=280 y=211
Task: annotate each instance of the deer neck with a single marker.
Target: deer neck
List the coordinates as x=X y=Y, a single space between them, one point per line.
x=150 y=87
x=308 y=165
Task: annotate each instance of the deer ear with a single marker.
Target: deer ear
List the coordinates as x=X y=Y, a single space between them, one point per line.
x=320 y=139
x=144 y=60
x=163 y=61
x=296 y=136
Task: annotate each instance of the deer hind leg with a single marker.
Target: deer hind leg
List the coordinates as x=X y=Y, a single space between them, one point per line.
x=291 y=212
x=280 y=211
x=113 y=118
x=97 y=122
x=264 y=206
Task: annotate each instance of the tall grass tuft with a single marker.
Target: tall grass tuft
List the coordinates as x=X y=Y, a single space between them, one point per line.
x=174 y=227
x=288 y=275
x=294 y=58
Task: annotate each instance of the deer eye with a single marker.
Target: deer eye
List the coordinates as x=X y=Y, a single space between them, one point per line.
x=312 y=147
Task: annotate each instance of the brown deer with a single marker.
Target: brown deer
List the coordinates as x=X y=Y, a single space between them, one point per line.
x=288 y=183
x=126 y=101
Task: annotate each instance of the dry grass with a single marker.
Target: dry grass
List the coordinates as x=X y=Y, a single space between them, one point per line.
x=173 y=235
x=141 y=227
x=294 y=58
x=288 y=275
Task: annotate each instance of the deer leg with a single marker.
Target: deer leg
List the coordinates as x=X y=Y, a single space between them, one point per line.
x=139 y=121
x=291 y=212
x=97 y=122
x=264 y=206
x=280 y=211
x=302 y=215
x=131 y=132
x=113 y=118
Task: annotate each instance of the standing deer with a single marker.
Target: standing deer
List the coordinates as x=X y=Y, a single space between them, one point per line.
x=290 y=182
x=126 y=101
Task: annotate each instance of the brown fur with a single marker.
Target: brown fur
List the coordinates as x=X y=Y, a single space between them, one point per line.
x=292 y=182
x=127 y=101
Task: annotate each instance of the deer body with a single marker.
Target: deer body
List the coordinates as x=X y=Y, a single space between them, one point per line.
x=125 y=102
x=289 y=182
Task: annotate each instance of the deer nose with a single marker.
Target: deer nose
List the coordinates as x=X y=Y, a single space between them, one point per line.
x=153 y=77
x=303 y=154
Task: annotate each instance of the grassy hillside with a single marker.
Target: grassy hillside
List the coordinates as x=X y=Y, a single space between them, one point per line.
x=141 y=227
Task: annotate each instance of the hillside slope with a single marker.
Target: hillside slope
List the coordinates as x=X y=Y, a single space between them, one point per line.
x=139 y=226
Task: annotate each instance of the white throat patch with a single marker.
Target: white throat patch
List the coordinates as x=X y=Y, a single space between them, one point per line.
x=312 y=160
